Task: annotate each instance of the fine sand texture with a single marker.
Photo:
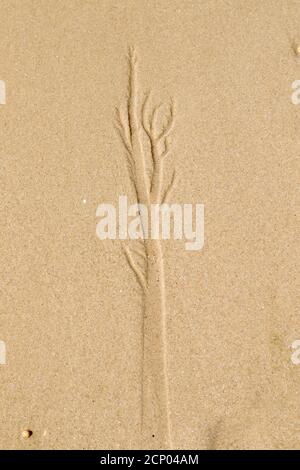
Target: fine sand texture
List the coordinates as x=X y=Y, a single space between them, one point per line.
x=130 y=344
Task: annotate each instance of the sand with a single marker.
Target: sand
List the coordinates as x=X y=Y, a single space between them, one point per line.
x=200 y=356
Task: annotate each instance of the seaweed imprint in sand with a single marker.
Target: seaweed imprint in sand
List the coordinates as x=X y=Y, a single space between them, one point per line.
x=144 y=133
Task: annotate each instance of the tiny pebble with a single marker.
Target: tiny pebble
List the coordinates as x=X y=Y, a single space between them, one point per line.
x=26 y=434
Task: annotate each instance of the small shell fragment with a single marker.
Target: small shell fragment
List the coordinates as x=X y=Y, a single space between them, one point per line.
x=26 y=434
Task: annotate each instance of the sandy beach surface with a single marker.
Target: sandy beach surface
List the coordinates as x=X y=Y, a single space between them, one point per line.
x=193 y=349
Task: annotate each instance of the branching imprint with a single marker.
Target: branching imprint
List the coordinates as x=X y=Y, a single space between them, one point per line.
x=144 y=133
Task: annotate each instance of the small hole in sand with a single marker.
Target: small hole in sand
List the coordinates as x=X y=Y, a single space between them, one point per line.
x=26 y=434
x=153 y=435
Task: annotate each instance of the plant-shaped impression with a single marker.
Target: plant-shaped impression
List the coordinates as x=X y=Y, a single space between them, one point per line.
x=144 y=133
